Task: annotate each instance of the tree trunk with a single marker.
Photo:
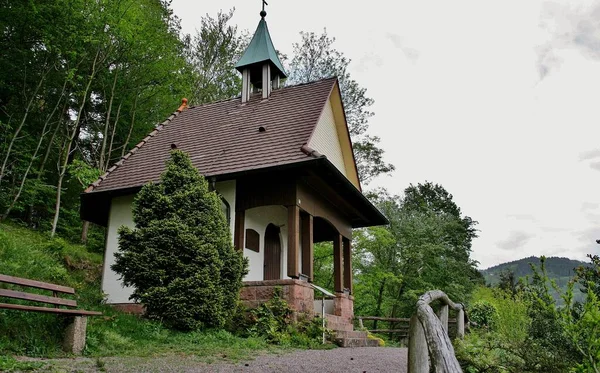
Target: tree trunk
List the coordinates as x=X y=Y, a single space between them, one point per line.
x=84 y=231
x=20 y=127
x=126 y=144
x=34 y=156
x=66 y=154
x=379 y=301
x=112 y=137
x=107 y=123
x=44 y=160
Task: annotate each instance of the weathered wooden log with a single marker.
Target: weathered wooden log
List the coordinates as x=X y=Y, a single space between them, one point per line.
x=426 y=325
x=443 y=316
x=418 y=354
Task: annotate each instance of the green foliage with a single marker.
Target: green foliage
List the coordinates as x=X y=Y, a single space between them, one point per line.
x=483 y=314
x=426 y=246
x=9 y=364
x=80 y=83
x=502 y=348
x=275 y=322
x=582 y=321
x=588 y=275
x=180 y=258
x=532 y=333
x=212 y=54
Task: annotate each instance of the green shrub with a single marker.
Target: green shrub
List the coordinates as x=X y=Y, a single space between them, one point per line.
x=275 y=321
x=180 y=258
x=484 y=314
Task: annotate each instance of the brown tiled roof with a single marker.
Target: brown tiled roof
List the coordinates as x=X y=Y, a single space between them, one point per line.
x=224 y=137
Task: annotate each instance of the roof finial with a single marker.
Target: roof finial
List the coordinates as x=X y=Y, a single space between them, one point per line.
x=263 y=13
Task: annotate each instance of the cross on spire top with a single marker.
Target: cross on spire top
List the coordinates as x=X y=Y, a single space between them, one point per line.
x=263 y=13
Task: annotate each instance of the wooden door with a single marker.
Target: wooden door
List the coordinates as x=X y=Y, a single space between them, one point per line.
x=272 y=253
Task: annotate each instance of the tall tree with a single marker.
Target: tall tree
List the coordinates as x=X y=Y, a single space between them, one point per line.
x=315 y=58
x=423 y=248
x=212 y=53
x=200 y=284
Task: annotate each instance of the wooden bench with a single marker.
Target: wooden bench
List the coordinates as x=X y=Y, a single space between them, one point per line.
x=74 y=341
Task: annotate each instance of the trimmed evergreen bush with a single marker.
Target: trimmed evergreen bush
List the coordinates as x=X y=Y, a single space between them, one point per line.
x=180 y=258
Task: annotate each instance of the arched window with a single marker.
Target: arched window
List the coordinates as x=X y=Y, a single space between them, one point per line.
x=226 y=209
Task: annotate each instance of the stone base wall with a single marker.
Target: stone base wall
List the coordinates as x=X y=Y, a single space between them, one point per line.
x=343 y=306
x=298 y=294
x=134 y=308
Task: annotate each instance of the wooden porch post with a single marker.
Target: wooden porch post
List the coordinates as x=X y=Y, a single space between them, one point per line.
x=307 y=245
x=338 y=264
x=238 y=235
x=347 y=264
x=293 y=241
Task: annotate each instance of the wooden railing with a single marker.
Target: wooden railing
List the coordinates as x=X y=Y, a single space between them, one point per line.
x=429 y=344
x=398 y=326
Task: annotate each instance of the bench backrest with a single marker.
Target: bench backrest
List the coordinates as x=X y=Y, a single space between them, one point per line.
x=55 y=300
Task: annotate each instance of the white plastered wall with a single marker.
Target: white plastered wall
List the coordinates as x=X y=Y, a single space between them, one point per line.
x=121 y=214
x=258 y=218
x=326 y=141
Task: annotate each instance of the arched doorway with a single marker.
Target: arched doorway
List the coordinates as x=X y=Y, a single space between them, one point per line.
x=272 y=266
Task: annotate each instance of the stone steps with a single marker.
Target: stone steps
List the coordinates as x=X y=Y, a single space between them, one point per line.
x=340 y=327
x=356 y=342
x=350 y=334
x=346 y=336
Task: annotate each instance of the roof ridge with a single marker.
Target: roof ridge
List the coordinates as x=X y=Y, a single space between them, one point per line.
x=282 y=88
x=311 y=82
x=154 y=132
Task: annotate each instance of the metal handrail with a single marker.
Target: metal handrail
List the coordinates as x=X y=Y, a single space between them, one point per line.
x=326 y=295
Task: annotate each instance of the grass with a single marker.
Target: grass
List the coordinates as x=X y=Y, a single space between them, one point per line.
x=34 y=255
x=10 y=364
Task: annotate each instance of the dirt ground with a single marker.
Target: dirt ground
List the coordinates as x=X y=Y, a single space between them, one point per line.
x=347 y=360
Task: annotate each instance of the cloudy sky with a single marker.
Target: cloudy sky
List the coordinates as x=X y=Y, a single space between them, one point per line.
x=498 y=101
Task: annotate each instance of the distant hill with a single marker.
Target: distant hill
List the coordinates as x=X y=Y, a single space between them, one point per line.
x=559 y=269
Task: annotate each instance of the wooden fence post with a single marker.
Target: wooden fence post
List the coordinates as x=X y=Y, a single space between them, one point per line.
x=418 y=354
x=460 y=324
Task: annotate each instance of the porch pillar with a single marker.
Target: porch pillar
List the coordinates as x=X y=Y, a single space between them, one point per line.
x=293 y=241
x=307 y=245
x=338 y=264
x=347 y=264
x=238 y=235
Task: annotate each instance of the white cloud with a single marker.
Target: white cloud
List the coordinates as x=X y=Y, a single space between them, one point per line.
x=515 y=241
x=569 y=25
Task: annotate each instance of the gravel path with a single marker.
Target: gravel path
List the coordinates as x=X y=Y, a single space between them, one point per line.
x=347 y=360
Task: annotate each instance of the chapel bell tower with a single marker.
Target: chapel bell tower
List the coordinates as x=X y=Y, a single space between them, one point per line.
x=260 y=66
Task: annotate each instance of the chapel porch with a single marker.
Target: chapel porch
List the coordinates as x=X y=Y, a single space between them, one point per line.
x=278 y=219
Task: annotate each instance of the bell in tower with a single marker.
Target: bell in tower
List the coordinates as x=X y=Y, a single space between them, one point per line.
x=260 y=66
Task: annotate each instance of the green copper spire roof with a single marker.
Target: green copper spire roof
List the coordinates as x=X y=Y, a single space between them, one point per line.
x=261 y=49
